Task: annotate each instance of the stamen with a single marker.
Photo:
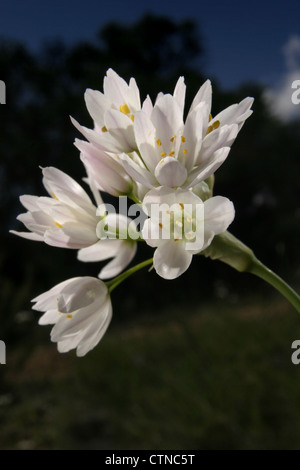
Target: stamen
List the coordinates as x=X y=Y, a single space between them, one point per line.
x=124 y=108
x=53 y=195
x=69 y=316
x=173 y=138
x=181 y=206
x=160 y=225
x=103 y=129
x=209 y=118
x=182 y=139
x=213 y=126
x=158 y=142
x=184 y=151
x=163 y=154
x=171 y=154
x=57 y=224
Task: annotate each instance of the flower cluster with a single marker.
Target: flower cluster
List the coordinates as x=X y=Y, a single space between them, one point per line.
x=146 y=152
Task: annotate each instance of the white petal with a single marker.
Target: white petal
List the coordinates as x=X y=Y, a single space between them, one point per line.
x=179 y=93
x=171 y=259
x=207 y=168
x=100 y=251
x=193 y=132
x=147 y=107
x=145 y=136
x=96 y=104
x=81 y=293
x=104 y=140
x=90 y=342
x=71 y=236
x=221 y=137
x=168 y=121
x=151 y=233
x=115 y=88
x=138 y=173
x=120 y=262
x=236 y=113
x=120 y=127
x=48 y=300
x=170 y=172
x=204 y=95
x=104 y=169
x=218 y=214
x=28 y=235
x=134 y=96
x=29 y=202
x=49 y=318
x=61 y=186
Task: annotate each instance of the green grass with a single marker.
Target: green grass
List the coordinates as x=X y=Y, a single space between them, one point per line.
x=217 y=378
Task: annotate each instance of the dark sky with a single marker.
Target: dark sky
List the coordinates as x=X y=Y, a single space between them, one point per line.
x=243 y=40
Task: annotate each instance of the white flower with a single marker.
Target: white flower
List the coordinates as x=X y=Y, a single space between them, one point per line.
x=80 y=310
x=181 y=225
x=113 y=113
x=122 y=249
x=105 y=169
x=68 y=219
x=175 y=153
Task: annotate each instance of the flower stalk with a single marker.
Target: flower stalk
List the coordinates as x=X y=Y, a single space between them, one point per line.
x=111 y=285
x=227 y=248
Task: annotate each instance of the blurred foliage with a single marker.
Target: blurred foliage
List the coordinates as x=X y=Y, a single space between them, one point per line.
x=261 y=175
x=217 y=377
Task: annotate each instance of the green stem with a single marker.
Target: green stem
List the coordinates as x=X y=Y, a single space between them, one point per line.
x=111 y=285
x=227 y=248
x=269 y=276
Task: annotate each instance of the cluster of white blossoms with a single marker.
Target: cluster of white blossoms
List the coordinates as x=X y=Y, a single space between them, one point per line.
x=165 y=164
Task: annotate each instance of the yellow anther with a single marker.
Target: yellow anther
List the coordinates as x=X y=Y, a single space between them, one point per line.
x=176 y=239
x=173 y=138
x=53 y=195
x=171 y=154
x=57 y=224
x=103 y=129
x=209 y=118
x=184 y=151
x=182 y=139
x=158 y=142
x=160 y=225
x=124 y=108
x=163 y=154
x=181 y=206
x=69 y=316
x=132 y=117
x=215 y=125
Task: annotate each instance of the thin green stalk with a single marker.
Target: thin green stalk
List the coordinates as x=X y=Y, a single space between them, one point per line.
x=227 y=248
x=260 y=270
x=111 y=285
